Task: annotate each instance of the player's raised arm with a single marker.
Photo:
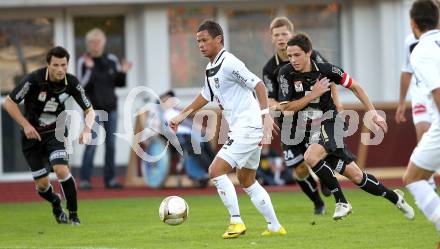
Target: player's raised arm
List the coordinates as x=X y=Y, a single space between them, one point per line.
x=340 y=77
x=357 y=90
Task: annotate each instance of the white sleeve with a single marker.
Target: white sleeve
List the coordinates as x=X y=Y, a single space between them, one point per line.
x=407 y=53
x=426 y=69
x=239 y=73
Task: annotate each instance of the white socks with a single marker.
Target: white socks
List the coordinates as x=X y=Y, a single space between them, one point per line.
x=227 y=193
x=427 y=200
x=260 y=198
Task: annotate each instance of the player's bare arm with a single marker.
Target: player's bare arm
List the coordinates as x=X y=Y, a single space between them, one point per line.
x=273 y=104
x=436 y=96
x=405 y=80
x=12 y=108
x=357 y=90
x=321 y=86
x=268 y=123
x=89 y=119
x=336 y=99
x=197 y=103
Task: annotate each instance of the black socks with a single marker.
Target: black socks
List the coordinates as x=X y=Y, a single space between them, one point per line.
x=326 y=175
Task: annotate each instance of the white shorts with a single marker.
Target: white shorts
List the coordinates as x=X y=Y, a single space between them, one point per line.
x=420 y=110
x=240 y=155
x=427 y=153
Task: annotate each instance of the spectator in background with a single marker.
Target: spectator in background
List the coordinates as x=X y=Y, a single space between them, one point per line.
x=100 y=73
x=272 y=170
x=195 y=164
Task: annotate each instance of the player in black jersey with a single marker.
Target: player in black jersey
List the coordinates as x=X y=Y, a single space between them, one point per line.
x=282 y=30
x=304 y=83
x=44 y=92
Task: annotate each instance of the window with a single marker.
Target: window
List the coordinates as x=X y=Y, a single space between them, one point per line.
x=321 y=23
x=113 y=28
x=23 y=47
x=187 y=63
x=249 y=37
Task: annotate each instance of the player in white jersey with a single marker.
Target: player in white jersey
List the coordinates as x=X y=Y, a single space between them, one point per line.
x=420 y=113
x=422 y=116
x=231 y=85
x=425 y=60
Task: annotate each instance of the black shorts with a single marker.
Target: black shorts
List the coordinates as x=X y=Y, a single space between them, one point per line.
x=294 y=156
x=39 y=153
x=332 y=139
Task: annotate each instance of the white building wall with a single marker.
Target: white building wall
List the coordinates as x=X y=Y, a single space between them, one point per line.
x=156 y=53
x=391 y=38
x=364 y=48
x=373 y=34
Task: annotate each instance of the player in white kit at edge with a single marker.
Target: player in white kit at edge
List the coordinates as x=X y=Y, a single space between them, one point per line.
x=425 y=60
x=229 y=83
x=421 y=115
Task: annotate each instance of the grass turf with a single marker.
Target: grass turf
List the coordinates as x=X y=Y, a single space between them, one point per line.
x=134 y=223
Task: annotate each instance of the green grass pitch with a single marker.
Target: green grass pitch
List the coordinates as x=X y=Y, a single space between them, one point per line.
x=134 y=223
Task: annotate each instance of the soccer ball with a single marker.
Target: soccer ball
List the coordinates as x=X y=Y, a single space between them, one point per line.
x=173 y=210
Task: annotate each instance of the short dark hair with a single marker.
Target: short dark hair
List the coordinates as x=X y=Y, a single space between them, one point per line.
x=301 y=40
x=169 y=93
x=425 y=14
x=214 y=29
x=58 y=52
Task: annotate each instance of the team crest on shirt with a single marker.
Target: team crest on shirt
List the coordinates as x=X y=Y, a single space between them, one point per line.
x=298 y=86
x=217 y=83
x=284 y=85
x=337 y=71
x=42 y=96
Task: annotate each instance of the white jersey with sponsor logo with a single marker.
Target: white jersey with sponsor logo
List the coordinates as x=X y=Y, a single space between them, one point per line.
x=425 y=61
x=229 y=83
x=418 y=92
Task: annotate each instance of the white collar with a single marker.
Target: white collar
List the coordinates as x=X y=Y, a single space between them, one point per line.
x=218 y=56
x=428 y=33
